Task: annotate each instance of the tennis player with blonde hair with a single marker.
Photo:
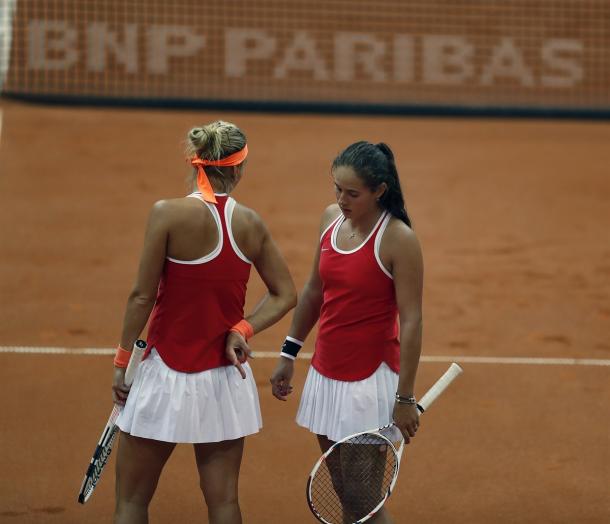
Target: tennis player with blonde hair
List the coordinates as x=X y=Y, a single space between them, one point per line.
x=195 y=384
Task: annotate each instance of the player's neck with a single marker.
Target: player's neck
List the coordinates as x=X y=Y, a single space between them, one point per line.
x=366 y=222
x=218 y=188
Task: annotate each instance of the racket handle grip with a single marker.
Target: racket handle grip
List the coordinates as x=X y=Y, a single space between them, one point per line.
x=441 y=384
x=137 y=353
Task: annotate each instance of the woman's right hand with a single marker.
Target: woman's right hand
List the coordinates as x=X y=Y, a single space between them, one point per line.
x=281 y=377
x=119 y=389
x=237 y=351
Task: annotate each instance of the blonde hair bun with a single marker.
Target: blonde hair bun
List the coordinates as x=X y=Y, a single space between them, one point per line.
x=216 y=140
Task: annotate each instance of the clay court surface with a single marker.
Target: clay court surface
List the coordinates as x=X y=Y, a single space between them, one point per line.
x=513 y=218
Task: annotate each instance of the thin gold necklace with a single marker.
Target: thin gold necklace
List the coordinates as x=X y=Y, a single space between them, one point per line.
x=353 y=234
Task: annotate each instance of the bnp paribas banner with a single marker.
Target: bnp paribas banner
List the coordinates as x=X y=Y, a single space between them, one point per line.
x=539 y=53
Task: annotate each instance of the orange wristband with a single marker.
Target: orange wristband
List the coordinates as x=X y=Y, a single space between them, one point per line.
x=121 y=359
x=244 y=328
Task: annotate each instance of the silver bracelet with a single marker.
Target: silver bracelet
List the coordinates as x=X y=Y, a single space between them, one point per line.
x=405 y=400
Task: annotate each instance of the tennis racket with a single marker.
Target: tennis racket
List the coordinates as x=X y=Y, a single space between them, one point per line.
x=104 y=445
x=353 y=479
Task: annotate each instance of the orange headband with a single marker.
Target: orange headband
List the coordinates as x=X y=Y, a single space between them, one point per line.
x=202 y=179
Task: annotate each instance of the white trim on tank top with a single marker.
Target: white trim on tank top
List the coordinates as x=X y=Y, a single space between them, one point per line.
x=333 y=236
x=216 y=251
x=229 y=208
x=329 y=226
x=377 y=246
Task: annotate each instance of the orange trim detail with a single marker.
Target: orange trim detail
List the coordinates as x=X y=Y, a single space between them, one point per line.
x=244 y=328
x=203 y=183
x=121 y=359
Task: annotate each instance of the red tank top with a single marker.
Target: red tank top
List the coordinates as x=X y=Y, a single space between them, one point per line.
x=358 y=327
x=198 y=301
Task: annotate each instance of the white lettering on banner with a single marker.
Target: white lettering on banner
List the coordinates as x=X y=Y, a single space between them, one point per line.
x=359 y=48
x=442 y=60
x=569 y=70
x=507 y=62
x=404 y=58
x=51 y=45
x=302 y=55
x=242 y=45
x=100 y=39
x=167 y=41
x=448 y=60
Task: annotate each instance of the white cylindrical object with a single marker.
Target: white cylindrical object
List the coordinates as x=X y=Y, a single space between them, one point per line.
x=441 y=384
x=136 y=357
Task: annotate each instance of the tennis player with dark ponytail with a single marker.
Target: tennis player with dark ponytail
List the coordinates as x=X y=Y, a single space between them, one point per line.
x=365 y=289
x=195 y=384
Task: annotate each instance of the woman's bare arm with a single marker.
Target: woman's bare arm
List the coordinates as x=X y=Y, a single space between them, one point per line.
x=305 y=315
x=401 y=247
x=281 y=293
x=143 y=295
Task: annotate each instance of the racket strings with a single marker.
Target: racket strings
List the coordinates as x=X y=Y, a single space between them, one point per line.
x=353 y=479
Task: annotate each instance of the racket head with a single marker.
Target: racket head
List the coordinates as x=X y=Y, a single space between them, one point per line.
x=352 y=480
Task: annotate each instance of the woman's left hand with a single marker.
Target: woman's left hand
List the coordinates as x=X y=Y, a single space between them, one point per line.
x=237 y=351
x=406 y=419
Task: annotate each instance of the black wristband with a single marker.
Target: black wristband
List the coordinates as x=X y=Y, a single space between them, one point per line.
x=291 y=347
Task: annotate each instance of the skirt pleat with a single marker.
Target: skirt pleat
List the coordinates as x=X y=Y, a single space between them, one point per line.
x=337 y=409
x=171 y=406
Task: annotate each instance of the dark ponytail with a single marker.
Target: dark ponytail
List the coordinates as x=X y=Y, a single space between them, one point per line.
x=374 y=164
x=393 y=199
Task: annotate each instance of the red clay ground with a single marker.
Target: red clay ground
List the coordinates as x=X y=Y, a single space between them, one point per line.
x=513 y=218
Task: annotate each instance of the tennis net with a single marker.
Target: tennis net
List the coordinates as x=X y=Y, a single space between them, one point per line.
x=474 y=53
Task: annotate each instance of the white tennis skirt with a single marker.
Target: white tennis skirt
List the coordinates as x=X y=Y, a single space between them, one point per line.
x=336 y=409
x=171 y=406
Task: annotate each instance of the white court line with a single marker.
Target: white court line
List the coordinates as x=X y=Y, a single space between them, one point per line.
x=273 y=354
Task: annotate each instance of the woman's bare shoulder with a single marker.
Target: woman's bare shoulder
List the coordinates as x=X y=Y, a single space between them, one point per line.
x=330 y=214
x=246 y=218
x=171 y=208
x=399 y=238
